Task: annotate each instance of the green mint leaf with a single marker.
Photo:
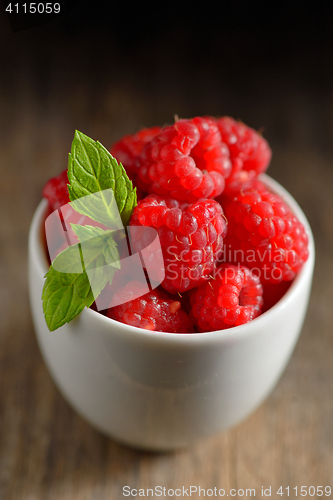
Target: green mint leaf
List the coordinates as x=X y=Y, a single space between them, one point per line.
x=92 y=169
x=78 y=275
x=87 y=232
x=109 y=248
x=64 y=296
x=100 y=189
x=111 y=255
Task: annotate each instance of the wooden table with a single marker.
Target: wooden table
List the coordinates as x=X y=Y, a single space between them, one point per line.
x=53 y=82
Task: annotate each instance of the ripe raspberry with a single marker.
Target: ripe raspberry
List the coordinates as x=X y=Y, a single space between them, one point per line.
x=264 y=234
x=191 y=237
x=152 y=311
x=56 y=192
x=186 y=161
x=250 y=153
x=232 y=298
x=130 y=146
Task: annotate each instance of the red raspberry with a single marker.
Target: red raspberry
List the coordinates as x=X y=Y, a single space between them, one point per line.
x=130 y=146
x=191 y=237
x=186 y=161
x=56 y=191
x=250 y=153
x=264 y=234
x=232 y=298
x=152 y=311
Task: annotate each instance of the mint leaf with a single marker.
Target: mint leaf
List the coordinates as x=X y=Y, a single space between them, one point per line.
x=87 y=232
x=111 y=254
x=78 y=275
x=100 y=189
x=64 y=296
x=109 y=246
x=92 y=169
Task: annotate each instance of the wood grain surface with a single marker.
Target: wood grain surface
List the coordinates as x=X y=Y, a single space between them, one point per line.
x=52 y=82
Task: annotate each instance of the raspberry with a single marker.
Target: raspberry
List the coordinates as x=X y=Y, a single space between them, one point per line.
x=185 y=161
x=264 y=234
x=191 y=237
x=56 y=192
x=232 y=298
x=152 y=311
x=250 y=153
x=128 y=148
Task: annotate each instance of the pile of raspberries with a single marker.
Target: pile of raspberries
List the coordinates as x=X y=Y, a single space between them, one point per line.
x=231 y=247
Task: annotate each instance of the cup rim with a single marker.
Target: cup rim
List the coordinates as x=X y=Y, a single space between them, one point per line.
x=233 y=334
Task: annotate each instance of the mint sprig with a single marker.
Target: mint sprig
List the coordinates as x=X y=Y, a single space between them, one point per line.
x=92 y=169
x=65 y=295
x=80 y=272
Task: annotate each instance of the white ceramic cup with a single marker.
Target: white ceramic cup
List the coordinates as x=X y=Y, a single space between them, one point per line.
x=162 y=391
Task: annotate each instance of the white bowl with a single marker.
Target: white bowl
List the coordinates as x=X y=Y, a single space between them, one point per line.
x=162 y=391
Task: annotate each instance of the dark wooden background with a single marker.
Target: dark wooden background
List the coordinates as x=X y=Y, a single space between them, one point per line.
x=107 y=73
